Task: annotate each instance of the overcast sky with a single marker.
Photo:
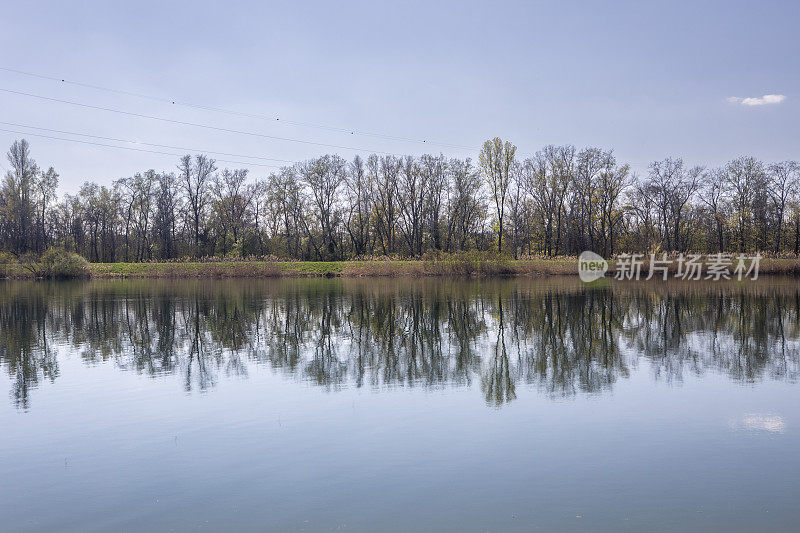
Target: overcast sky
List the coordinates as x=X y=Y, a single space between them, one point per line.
x=647 y=79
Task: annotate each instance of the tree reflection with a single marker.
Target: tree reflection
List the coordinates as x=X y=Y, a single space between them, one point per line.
x=562 y=338
x=497 y=382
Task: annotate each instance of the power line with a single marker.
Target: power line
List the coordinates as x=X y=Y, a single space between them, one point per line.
x=193 y=124
x=16 y=132
x=240 y=113
x=144 y=143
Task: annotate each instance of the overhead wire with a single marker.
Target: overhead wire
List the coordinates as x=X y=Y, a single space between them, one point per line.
x=114 y=139
x=17 y=132
x=275 y=119
x=193 y=124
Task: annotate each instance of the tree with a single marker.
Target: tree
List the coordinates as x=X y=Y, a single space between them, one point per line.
x=783 y=185
x=143 y=186
x=167 y=205
x=612 y=181
x=712 y=194
x=17 y=196
x=466 y=203
x=589 y=163
x=383 y=173
x=324 y=176
x=671 y=186
x=517 y=205
x=497 y=162
x=287 y=198
x=744 y=177
x=45 y=195
x=548 y=177
x=643 y=211
x=558 y=201
x=412 y=189
x=434 y=170
x=232 y=199
x=195 y=177
x=360 y=201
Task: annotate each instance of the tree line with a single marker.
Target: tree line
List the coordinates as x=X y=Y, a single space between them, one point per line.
x=559 y=201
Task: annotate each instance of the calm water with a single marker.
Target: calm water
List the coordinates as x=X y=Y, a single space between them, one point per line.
x=324 y=405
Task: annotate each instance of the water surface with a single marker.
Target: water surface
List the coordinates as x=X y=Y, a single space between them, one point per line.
x=367 y=405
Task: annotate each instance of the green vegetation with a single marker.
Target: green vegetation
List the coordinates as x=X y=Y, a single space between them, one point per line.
x=9 y=266
x=469 y=265
x=54 y=263
x=57 y=263
x=216 y=269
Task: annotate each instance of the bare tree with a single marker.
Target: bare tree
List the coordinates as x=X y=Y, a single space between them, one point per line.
x=383 y=172
x=589 y=163
x=548 y=177
x=412 y=187
x=434 y=171
x=744 y=177
x=360 y=203
x=517 y=205
x=195 y=177
x=466 y=203
x=783 y=185
x=672 y=186
x=232 y=198
x=45 y=194
x=166 y=213
x=612 y=181
x=712 y=194
x=324 y=176
x=287 y=198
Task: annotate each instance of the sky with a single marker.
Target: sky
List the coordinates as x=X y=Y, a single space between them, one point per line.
x=704 y=81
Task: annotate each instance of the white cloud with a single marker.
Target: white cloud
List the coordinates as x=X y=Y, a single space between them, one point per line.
x=759 y=422
x=758 y=100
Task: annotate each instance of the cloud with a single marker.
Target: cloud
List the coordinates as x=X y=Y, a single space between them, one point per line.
x=758 y=100
x=759 y=422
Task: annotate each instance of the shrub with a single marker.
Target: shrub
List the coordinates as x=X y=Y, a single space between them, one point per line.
x=470 y=263
x=58 y=263
x=8 y=264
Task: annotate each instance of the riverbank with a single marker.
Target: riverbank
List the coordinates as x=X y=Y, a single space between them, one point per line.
x=397 y=268
x=271 y=269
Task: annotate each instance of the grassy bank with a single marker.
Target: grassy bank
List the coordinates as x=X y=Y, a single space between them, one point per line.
x=469 y=267
x=442 y=267
x=263 y=269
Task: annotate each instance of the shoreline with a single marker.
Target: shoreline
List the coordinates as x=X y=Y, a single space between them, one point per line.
x=361 y=269
x=331 y=269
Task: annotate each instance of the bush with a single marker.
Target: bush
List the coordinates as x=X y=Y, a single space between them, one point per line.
x=8 y=264
x=58 y=263
x=470 y=263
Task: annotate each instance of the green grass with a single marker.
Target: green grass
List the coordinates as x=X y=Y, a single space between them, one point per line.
x=217 y=269
x=403 y=268
x=256 y=269
x=471 y=266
